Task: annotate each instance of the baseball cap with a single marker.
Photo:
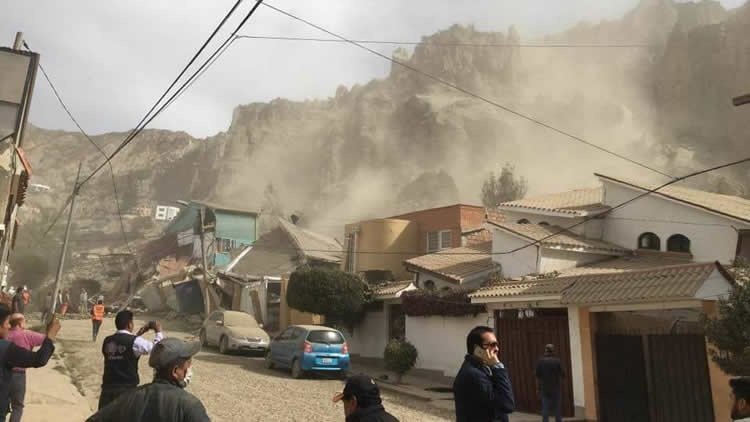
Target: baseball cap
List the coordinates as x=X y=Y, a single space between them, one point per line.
x=170 y=350
x=363 y=388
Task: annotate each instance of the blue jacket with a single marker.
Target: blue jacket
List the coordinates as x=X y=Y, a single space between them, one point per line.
x=482 y=394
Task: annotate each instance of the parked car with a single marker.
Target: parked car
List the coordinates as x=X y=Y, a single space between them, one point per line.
x=305 y=348
x=234 y=331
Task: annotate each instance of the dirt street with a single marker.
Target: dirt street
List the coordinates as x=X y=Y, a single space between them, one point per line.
x=232 y=388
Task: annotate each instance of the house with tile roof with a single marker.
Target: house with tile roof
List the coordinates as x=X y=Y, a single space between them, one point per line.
x=609 y=284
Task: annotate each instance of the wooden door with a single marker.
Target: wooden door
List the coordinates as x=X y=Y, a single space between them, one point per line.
x=522 y=343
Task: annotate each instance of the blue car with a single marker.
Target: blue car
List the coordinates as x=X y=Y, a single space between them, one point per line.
x=309 y=348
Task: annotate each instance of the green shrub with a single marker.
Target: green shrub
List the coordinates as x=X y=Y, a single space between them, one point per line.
x=340 y=297
x=400 y=356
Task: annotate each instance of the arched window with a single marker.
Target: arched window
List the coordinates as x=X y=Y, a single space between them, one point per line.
x=429 y=285
x=523 y=221
x=543 y=223
x=678 y=243
x=649 y=241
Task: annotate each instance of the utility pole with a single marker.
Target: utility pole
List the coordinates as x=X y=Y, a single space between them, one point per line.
x=61 y=264
x=206 y=280
x=18 y=43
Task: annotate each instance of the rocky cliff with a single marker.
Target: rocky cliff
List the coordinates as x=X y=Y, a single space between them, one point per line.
x=365 y=150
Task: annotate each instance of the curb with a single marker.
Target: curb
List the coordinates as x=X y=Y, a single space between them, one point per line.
x=406 y=391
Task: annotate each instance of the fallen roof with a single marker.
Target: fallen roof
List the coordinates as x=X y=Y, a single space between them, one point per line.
x=564 y=240
x=457 y=263
x=730 y=206
x=313 y=245
x=579 y=202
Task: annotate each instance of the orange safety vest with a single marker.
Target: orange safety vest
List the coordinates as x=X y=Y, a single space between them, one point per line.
x=98 y=313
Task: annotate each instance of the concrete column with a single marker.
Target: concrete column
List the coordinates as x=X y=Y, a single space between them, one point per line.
x=576 y=361
x=587 y=331
x=719 y=380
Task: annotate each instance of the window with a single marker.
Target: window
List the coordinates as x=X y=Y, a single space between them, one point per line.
x=429 y=285
x=446 y=240
x=161 y=212
x=226 y=245
x=326 y=337
x=649 y=241
x=523 y=221
x=678 y=243
x=439 y=240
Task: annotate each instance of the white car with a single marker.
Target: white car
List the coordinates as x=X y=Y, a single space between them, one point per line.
x=234 y=331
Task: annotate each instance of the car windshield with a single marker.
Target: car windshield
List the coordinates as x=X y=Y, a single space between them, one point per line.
x=327 y=337
x=239 y=319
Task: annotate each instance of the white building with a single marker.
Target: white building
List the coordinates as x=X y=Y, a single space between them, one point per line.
x=166 y=213
x=640 y=274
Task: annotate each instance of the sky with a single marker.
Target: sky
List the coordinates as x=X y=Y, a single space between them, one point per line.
x=110 y=60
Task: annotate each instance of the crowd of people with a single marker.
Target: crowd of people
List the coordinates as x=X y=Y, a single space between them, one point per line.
x=482 y=388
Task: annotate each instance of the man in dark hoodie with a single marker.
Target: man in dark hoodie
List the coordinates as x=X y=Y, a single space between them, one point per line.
x=362 y=402
x=549 y=373
x=482 y=387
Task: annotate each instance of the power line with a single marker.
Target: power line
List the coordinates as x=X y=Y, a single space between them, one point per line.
x=137 y=131
x=445 y=44
x=470 y=93
x=101 y=151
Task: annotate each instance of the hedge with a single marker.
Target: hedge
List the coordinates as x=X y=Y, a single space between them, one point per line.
x=337 y=295
x=454 y=303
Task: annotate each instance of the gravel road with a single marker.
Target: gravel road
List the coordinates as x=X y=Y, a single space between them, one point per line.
x=232 y=388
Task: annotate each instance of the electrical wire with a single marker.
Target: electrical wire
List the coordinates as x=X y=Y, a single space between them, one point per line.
x=101 y=151
x=137 y=131
x=444 y=44
x=470 y=93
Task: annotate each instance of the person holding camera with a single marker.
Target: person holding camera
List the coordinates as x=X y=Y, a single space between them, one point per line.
x=121 y=351
x=482 y=388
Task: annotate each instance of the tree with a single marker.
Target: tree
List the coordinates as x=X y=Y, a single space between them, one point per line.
x=729 y=332
x=503 y=188
x=340 y=297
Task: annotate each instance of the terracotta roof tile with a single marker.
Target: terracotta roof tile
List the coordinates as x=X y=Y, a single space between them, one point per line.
x=577 y=202
x=389 y=289
x=536 y=232
x=548 y=287
x=732 y=206
x=457 y=263
x=675 y=282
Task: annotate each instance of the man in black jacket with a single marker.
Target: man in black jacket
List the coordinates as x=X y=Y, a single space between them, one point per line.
x=482 y=389
x=362 y=402
x=165 y=399
x=18 y=304
x=549 y=372
x=12 y=356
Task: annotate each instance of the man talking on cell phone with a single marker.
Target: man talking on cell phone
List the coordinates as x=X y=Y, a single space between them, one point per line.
x=482 y=387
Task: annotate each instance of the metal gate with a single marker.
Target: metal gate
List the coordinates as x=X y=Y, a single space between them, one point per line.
x=680 y=378
x=522 y=342
x=621 y=372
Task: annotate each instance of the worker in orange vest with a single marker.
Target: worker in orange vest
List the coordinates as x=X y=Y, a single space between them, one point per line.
x=97 y=315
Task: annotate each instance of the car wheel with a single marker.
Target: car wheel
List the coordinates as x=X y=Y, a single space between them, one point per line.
x=223 y=346
x=268 y=361
x=297 y=371
x=204 y=340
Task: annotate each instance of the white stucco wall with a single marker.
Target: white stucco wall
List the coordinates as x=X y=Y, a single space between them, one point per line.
x=441 y=342
x=369 y=338
x=518 y=263
x=711 y=237
x=556 y=260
